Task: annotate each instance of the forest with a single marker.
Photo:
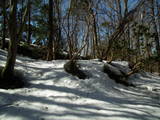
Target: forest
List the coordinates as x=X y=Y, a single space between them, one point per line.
x=79 y=57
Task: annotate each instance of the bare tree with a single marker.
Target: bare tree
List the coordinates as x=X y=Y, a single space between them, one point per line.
x=122 y=25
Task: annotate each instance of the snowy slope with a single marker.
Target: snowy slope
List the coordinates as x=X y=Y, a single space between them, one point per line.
x=54 y=94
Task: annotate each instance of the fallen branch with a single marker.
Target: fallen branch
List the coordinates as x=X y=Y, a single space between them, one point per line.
x=134 y=69
x=73 y=58
x=119 y=75
x=116 y=74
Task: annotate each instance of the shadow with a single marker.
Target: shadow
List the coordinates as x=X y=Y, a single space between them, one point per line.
x=96 y=96
x=77 y=104
x=71 y=109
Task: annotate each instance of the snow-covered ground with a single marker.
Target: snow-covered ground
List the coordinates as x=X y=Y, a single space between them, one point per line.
x=54 y=94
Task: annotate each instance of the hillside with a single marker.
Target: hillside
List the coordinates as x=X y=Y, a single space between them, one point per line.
x=53 y=94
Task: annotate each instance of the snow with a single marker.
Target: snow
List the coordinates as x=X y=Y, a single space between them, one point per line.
x=54 y=94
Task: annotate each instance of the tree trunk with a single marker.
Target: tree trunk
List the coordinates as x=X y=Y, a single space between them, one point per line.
x=21 y=19
x=94 y=31
x=118 y=2
x=57 y=40
x=29 y=22
x=22 y=5
x=68 y=34
x=8 y=70
x=128 y=29
x=51 y=37
x=4 y=25
x=158 y=11
x=95 y=36
x=156 y=37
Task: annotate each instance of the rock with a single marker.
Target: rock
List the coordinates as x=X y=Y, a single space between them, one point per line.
x=116 y=74
x=73 y=68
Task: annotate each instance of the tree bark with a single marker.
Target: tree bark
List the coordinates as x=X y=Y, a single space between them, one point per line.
x=22 y=5
x=68 y=34
x=8 y=70
x=128 y=29
x=4 y=25
x=158 y=11
x=156 y=37
x=29 y=22
x=119 y=9
x=95 y=38
x=51 y=37
x=57 y=29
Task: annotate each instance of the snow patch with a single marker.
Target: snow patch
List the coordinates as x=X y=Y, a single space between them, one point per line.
x=54 y=94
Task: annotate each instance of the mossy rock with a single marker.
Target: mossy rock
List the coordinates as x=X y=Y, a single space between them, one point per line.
x=73 y=68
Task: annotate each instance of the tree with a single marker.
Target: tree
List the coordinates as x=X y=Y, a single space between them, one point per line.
x=8 y=70
x=57 y=26
x=29 y=22
x=51 y=32
x=121 y=27
x=155 y=29
x=4 y=25
x=7 y=75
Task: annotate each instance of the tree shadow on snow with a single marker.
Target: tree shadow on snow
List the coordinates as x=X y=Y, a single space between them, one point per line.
x=74 y=109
